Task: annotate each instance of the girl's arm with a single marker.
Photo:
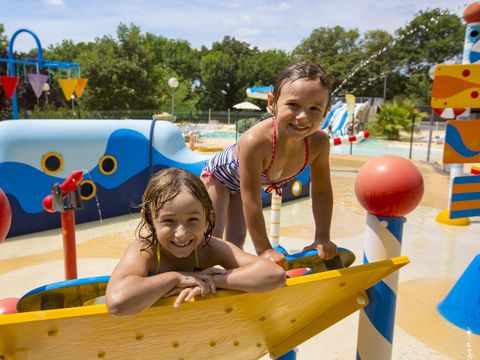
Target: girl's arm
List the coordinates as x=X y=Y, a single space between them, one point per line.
x=322 y=197
x=244 y=271
x=251 y=158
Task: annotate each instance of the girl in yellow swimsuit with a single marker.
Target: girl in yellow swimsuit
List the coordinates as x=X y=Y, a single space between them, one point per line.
x=175 y=253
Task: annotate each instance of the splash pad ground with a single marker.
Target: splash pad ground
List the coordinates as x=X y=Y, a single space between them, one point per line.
x=439 y=254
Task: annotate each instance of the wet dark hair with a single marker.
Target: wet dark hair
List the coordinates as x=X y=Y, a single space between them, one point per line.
x=162 y=188
x=303 y=70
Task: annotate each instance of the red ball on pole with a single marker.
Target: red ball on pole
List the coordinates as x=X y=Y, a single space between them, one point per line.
x=5 y=216
x=389 y=186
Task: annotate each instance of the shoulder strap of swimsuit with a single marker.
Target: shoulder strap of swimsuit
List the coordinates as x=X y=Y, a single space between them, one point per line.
x=274 y=147
x=197 y=261
x=158 y=259
x=195 y=253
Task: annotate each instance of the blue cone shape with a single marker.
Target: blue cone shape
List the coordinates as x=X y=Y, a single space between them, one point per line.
x=461 y=306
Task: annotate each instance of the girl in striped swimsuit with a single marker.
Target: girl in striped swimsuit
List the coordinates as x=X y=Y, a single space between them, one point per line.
x=271 y=153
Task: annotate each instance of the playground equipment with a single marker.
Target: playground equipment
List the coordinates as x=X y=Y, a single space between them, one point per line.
x=227 y=324
x=456 y=87
x=65 y=198
x=349 y=139
x=240 y=325
x=387 y=198
x=117 y=158
x=37 y=80
x=259 y=92
x=461 y=306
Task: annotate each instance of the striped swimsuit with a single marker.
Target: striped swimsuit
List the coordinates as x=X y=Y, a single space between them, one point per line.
x=224 y=167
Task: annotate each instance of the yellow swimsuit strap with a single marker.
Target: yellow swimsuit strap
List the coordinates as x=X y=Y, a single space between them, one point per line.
x=195 y=253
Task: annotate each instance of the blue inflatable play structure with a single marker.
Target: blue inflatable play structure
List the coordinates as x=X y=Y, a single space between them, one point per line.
x=117 y=158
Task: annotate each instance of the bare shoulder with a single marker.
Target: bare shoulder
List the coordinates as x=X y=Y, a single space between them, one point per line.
x=223 y=253
x=319 y=143
x=138 y=257
x=257 y=136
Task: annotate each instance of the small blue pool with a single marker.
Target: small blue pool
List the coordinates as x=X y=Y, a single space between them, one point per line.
x=219 y=134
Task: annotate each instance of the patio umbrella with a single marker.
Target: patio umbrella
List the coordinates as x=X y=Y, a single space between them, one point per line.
x=246 y=106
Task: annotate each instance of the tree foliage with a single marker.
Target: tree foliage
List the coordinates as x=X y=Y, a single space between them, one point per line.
x=131 y=70
x=394 y=117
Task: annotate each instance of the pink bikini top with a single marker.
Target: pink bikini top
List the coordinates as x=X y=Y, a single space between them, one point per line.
x=277 y=186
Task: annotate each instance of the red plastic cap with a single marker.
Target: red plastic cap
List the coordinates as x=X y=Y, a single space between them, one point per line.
x=47 y=204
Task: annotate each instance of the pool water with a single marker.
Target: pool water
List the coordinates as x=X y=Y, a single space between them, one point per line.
x=373 y=147
x=369 y=147
x=219 y=134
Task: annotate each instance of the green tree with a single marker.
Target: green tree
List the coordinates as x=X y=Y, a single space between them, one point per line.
x=124 y=75
x=262 y=68
x=5 y=112
x=182 y=61
x=336 y=49
x=217 y=71
x=432 y=37
x=220 y=84
x=394 y=117
x=3 y=39
x=375 y=66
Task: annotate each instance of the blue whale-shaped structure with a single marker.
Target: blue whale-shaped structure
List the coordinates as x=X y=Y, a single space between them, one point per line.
x=117 y=158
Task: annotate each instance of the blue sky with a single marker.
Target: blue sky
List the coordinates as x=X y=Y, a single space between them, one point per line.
x=267 y=24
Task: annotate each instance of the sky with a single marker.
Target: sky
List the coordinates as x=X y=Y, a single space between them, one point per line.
x=266 y=24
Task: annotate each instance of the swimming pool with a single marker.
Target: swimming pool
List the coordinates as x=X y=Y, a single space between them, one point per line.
x=218 y=134
x=374 y=147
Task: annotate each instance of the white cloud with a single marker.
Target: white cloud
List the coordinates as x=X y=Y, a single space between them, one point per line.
x=54 y=2
x=248 y=31
x=281 y=6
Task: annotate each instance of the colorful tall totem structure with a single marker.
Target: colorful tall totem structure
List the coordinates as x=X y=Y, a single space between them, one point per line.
x=457 y=87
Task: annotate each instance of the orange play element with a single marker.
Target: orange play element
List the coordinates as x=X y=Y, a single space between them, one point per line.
x=456 y=86
x=389 y=186
x=81 y=83
x=462 y=142
x=475 y=170
x=225 y=325
x=5 y=216
x=471 y=14
x=68 y=86
x=9 y=84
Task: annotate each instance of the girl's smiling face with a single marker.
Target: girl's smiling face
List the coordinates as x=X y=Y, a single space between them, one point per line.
x=180 y=224
x=301 y=106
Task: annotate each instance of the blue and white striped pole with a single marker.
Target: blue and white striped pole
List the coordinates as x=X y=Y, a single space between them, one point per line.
x=388 y=187
x=383 y=240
